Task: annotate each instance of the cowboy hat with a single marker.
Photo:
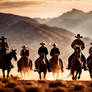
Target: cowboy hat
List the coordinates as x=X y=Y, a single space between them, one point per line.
x=54 y=44
x=42 y=43
x=24 y=46
x=3 y=38
x=78 y=36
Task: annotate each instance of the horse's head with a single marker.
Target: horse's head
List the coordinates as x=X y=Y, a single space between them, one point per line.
x=13 y=53
x=77 y=51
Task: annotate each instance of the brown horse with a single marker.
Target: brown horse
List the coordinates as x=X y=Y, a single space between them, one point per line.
x=56 y=65
x=5 y=62
x=76 y=64
x=89 y=65
x=24 y=65
x=42 y=66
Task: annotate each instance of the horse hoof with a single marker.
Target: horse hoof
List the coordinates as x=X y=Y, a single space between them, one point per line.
x=73 y=78
x=78 y=77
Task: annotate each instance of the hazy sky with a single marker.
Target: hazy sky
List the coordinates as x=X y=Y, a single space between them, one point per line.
x=43 y=8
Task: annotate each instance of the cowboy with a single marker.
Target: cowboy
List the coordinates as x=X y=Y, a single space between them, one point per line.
x=3 y=46
x=54 y=51
x=24 y=52
x=42 y=51
x=80 y=43
x=24 y=57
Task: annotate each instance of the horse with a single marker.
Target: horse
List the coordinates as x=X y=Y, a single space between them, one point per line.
x=89 y=65
x=5 y=62
x=56 y=65
x=24 y=65
x=41 y=66
x=76 y=64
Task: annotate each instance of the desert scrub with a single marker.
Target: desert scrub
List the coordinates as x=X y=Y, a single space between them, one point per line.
x=35 y=89
x=56 y=84
x=79 y=88
x=60 y=89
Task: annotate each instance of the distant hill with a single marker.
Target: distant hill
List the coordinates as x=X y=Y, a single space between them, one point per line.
x=31 y=33
x=10 y=19
x=75 y=21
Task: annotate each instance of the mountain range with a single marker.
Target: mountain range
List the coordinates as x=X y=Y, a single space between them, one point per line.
x=75 y=21
x=21 y=30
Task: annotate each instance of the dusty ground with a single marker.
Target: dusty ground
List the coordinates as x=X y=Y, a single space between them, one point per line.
x=16 y=85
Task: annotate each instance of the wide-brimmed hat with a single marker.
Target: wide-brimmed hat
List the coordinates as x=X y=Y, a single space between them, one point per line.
x=42 y=43
x=54 y=44
x=3 y=38
x=78 y=36
x=24 y=46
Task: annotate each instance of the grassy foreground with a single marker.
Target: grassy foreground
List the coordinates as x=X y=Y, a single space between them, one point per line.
x=15 y=85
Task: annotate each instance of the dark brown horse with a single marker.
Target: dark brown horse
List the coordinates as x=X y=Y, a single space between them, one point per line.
x=76 y=64
x=42 y=66
x=56 y=65
x=5 y=62
x=89 y=65
x=24 y=65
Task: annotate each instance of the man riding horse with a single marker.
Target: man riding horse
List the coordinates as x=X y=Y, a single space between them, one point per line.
x=3 y=48
x=24 y=56
x=80 y=43
x=54 y=51
x=43 y=51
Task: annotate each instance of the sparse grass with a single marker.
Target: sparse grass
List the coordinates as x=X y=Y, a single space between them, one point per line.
x=18 y=89
x=56 y=84
x=11 y=85
x=61 y=89
x=43 y=82
x=28 y=83
x=79 y=88
x=34 y=89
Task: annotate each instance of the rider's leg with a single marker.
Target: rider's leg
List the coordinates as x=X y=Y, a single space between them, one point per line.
x=84 y=61
x=69 y=61
x=36 y=66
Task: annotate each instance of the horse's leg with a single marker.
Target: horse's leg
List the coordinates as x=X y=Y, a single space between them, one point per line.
x=79 y=75
x=8 y=71
x=76 y=75
x=72 y=74
x=3 y=73
x=45 y=74
x=39 y=75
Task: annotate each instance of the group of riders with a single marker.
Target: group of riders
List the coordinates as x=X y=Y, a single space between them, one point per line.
x=43 y=52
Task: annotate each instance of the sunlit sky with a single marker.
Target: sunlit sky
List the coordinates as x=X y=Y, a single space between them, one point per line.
x=43 y=8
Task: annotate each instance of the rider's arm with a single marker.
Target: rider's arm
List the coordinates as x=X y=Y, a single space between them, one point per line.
x=82 y=45
x=39 y=51
x=46 y=51
x=6 y=46
x=73 y=44
x=51 y=53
